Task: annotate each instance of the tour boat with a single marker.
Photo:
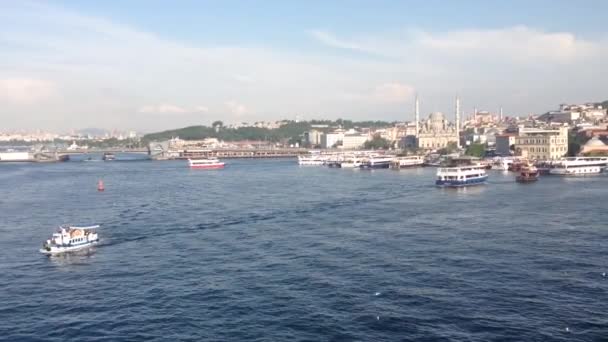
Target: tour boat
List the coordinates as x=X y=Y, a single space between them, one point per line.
x=461 y=173
x=528 y=173
x=407 y=161
x=574 y=166
x=205 y=164
x=70 y=238
x=377 y=162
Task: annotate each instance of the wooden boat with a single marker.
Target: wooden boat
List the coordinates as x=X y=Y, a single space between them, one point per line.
x=528 y=173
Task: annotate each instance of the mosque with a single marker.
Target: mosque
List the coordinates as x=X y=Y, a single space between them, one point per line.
x=437 y=131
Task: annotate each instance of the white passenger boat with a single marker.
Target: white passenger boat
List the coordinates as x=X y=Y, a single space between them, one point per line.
x=574 y=166
x=459 y=175
x=314 y=160
x=70 y=238
x=351 y=162
x=407 y=161
x=377 y=162
x=208 y=164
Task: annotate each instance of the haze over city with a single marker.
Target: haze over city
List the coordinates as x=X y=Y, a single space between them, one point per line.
x=146 y=66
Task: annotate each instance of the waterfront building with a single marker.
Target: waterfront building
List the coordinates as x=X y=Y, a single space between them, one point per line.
x=313 y=137
x=331 y=139
x=436 y=131
x=542 y=144
x=354 y=140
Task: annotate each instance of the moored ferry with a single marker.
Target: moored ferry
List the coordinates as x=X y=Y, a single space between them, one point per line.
x=70 y=238
x=574 y=166
x=407 y=161
x=458 y=174
x=314 y=160
x=377 y=162
x=351 y=162
x=207 y=164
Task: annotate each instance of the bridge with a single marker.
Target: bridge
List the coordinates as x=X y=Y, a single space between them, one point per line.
x=104 y=150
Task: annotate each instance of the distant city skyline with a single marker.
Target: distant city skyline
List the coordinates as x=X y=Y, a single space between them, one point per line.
x=155 y=65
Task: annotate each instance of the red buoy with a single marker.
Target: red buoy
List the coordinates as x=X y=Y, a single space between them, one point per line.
x=100 y=186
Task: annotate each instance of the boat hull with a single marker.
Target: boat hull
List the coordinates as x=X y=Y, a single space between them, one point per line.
x=522 y=179
x=375 y=166
x=582 y=171
x=461 y=183
x=58 y=250
x=208 y=167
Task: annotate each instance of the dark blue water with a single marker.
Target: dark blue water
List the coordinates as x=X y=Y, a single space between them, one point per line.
x=268 y=251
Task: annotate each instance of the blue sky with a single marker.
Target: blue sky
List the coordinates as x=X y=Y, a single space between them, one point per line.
x=151 y=65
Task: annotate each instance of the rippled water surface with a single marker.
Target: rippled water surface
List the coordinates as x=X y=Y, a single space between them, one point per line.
x=268 y=251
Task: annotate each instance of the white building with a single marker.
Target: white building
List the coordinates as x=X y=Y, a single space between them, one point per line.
x=329 y=140
x=313 y=137
x=542 y=144
x=354 y=141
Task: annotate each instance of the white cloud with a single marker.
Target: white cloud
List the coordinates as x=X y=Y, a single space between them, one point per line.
x=25 y=90
x=335 y=42
x=519 y=43
x=243 y=78
x=393 y=92
x=74 y=59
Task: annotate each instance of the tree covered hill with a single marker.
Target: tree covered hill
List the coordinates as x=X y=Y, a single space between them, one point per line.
x=290 y=132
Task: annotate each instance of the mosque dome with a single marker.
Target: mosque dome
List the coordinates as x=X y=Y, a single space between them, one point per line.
x=594 y=142
x=436 y=116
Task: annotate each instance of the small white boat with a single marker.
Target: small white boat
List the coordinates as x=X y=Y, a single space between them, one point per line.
x=205 y=164
x=70 y=238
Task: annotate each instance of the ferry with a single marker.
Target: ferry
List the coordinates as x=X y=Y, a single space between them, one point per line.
x=405 y=162
x=314 y=160
x=377 y=162
x=459 y=175
x=544 y=166
x=70 y=238
x=574 y=166
x=528 y=173
x=351 y=162
x=208 y=164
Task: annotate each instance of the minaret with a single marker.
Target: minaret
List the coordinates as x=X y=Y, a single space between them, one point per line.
x=458 y=120
x=500 y=114
x=417 y=112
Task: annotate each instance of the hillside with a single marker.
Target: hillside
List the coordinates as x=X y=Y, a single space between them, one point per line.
x=289 y=132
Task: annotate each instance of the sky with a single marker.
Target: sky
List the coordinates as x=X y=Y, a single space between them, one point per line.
x=154 y=65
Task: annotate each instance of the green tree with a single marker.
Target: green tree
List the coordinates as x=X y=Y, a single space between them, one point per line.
x=574 y=143
x=476 y=150
x=451 y=148
x=377 y=143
